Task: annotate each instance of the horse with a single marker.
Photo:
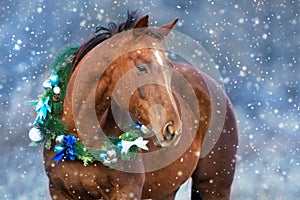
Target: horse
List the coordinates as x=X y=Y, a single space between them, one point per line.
x=149 y=87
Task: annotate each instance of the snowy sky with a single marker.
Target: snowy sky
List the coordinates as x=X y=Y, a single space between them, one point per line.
x=254 y=43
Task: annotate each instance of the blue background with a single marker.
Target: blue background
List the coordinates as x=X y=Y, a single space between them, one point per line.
x=256 y=45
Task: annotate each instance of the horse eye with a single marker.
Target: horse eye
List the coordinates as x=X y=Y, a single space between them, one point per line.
x=142 y=69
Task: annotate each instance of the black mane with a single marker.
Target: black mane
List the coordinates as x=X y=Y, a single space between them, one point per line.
x=103 y=33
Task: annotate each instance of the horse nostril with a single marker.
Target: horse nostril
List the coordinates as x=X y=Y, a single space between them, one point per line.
x=171 y=134
x=167 y=134
x=169 y=131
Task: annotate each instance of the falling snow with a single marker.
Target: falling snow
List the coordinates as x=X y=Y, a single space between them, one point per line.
x=254 y=44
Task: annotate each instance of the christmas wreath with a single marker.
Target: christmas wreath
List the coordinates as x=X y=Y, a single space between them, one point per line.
x=48 y=127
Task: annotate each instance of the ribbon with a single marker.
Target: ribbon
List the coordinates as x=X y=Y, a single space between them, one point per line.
x=139 y=142
x=42 y=108
x=68 y=152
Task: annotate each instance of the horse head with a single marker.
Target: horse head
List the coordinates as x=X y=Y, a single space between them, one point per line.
x=142 y=78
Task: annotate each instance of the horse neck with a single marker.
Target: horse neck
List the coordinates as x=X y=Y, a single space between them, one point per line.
x=81 y=118
x=92 y=83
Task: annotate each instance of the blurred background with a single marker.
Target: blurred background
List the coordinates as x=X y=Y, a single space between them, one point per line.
x=255 y=44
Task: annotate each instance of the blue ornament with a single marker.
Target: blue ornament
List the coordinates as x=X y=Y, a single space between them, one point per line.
x=138 y=125
x=119 y=145
x=71 y=154
x=54 y=79
x=66 y=149
x=59 y=148
x=69 y=140
x=103 y=156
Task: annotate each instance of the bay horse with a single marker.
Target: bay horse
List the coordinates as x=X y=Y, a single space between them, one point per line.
x=150 y=93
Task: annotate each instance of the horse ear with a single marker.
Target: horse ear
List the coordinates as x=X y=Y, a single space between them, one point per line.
x=142 y=22
x=165 y=29
x=141 y=26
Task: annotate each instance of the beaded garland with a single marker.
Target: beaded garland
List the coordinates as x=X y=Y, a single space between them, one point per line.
x=48 y=127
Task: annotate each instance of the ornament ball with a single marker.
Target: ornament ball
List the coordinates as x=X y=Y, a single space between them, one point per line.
x=58 y=148
x=119 y=145
x=54 y=79
x=35 y=134
x=56 y=90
